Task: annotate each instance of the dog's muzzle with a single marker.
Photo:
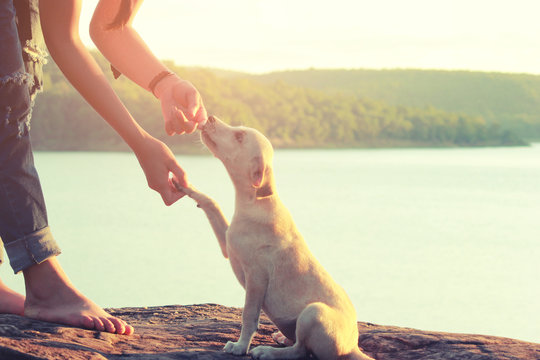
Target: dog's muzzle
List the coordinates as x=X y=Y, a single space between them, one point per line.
x=211 y=120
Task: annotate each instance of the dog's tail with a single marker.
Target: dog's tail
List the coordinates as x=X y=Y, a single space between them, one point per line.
x=356 y=354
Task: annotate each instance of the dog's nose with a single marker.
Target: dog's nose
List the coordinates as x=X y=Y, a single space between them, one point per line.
x=211 y=119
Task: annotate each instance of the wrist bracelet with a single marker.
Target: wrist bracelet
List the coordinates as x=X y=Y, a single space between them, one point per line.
x=162 y=75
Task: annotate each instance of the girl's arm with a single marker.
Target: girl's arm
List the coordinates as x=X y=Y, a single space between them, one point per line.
x=182 y=107
x=59 y=21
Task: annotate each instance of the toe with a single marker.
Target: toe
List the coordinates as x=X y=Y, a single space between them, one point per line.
x=129 y=330
x=87 y=322
x=98 y=324
x=118 y=325
x=109 y=326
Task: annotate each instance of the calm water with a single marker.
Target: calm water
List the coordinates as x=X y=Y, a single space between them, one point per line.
x=436 y=239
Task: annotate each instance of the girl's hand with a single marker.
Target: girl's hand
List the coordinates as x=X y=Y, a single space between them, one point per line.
x=181 y=104
x=160 y=167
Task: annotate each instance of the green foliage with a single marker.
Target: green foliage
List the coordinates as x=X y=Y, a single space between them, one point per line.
x=290 y=115
x=510 y=100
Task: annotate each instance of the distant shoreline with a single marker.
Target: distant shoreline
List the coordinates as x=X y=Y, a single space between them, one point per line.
x=204 y=152
x=323 y=109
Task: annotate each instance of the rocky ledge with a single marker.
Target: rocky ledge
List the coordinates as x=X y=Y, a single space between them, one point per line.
x=200 y=332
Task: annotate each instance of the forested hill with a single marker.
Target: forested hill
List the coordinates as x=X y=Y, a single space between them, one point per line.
x=511 y=100
x=290 y=115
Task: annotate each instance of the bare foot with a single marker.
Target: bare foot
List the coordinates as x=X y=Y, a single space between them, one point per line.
x=281 y=339
x=11 y=302
x=50 y=296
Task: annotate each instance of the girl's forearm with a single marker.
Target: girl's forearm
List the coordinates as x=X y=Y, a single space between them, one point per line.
x=122 y=45
x=181 y=103
x=59 y=24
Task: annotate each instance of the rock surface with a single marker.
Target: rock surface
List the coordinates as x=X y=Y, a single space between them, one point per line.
x=200 y=332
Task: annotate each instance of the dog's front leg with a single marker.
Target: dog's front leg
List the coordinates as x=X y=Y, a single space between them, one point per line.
x=255 y=291
x=218 y=222
x=213 y=213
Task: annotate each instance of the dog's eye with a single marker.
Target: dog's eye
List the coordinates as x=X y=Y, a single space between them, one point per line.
x=239 y=136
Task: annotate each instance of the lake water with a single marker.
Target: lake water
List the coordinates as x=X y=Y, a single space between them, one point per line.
x=435 y=239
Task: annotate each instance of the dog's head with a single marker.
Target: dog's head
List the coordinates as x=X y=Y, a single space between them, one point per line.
x=246 y=153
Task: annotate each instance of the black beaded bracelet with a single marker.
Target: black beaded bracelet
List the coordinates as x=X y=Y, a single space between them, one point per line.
x=162 y=75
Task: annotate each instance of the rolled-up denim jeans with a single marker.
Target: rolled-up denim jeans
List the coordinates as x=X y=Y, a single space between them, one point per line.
x=24 y=229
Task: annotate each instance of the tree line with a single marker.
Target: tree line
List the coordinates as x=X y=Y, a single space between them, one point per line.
x=509 y=100
x=289 y=115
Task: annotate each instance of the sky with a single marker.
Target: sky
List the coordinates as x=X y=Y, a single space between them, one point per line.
x=260 y=36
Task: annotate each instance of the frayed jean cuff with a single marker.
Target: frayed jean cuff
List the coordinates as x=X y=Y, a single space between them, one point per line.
x=31 y=249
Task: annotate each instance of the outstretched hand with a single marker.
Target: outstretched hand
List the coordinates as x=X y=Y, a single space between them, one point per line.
x=181 y=104
x=161 y=169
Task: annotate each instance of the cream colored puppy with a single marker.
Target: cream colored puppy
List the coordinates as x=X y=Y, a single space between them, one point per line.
x=270 y=258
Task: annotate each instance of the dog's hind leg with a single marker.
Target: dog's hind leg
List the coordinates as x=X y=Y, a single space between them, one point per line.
x=328 y=333
x=213 y=213
x=319 y=330
x=297 y=351
x=310 y=329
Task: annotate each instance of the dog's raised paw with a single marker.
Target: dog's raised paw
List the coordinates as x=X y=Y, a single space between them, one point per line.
x=201 y=199
x=179 y=187
x=235 y=348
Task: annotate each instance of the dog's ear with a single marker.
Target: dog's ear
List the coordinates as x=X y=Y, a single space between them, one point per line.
x=265 y=191
x=256 y=171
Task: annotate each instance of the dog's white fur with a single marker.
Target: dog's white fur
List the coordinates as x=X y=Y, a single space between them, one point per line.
x=270 y=258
